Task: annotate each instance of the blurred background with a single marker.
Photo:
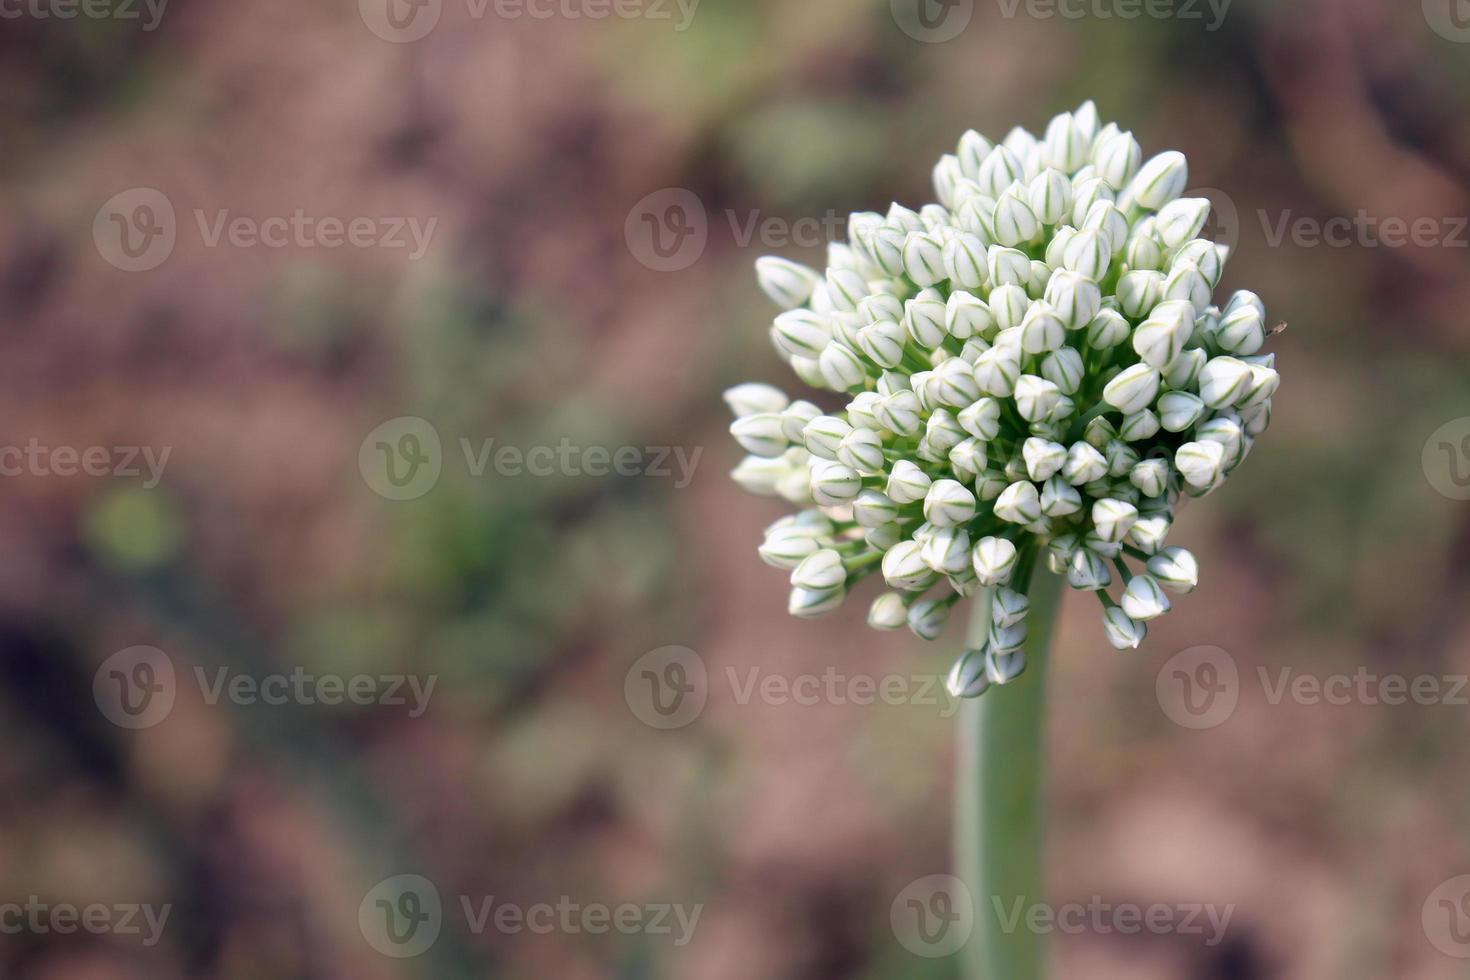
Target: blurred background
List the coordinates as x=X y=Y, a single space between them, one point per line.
x=363 y=455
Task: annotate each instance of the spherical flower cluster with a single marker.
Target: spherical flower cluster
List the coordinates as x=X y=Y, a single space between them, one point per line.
x=1032 y=370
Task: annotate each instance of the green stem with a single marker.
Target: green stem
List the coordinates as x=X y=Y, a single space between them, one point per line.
x=999 y=829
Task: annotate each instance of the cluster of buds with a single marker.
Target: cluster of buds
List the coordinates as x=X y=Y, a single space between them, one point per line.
x=1032 y=370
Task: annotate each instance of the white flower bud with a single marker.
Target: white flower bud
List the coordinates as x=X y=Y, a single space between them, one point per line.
x=888 y=612
x=1121 y=458
x=833 y=483
x=902 y=217
x=1037 y=278
x=1064 y=368
x=755 y=399
x=1228 y=432
x=795 y=418
x=923 y=318
x=948 y=503
x=927 y=618
x=1243 y=298
x=760 y=475
x=967 y=316
x=900 y=412
x=904 y=569
x=1133 y=390
x=1123 y=632
x=1256 y=419
x=1242 y=331
x=1008 y=607
x=1186 y=282
x=1178 y=410
x=862 y=450
x=789 y=284
x=820 y=571
x=1019 y=503
x=1075 y=298
x=1160 y=338
x=1014 y=221
x=1207 y=256
x=954 y=383
x=846 y=288
x=1059 y=498
x=1042 y=330
x=1160 y=180
x=1150 y=476
x=823 y=434
x=966 y=262
x=994 y=560
x=873 y=509
x=976 y=213
x=1183 y=371
x=787 y=549
x=923 y=258
x=1084 y=465
x=947 y=550
x=1066 y=144
x=981 y=419
x=1139 y=292
x=997 y=371
x=883 y=537
x=842 y=368
x=1044 y=459
x=1148 y=533
x=947 y=174
x=1112 y=519
x=1007 y=266
x=1182 y=219
x=1141 y=426
x=968 y=459
x=807 y=604
x=880 y=307
x=801 y=333
x=1036 y=398
x=1087 y=571
x=1105 y=217
x=1175 y=569
x=883 y=343
x=1107 y=330
x=1117 y=159
x=1200 y=463
x=883 y=246
x=967 y=678
x=907 y=483
x=1224 y=381
x=760 y=435
x=1263 y=384
x=1088 y=254
x=973 y=149
x=1050 y=196
x=1000 y=168
x=1099 y=432
x=1004 y=659
x=1143 y=600
x=1142 y=251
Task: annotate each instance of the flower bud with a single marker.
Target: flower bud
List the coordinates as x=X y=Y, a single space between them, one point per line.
x=1108 y=329
x=1160 y=338
x=1044 y=459
x=1000 y=168
x=759 y=475
x=1112 y=519
x=1123 y=632
x=1064 y=368
x=862 y=450
x=947 y=550
x=1175 y=569
x=1133 y=389
x=1241 y=331
x=954 y=383
x=760 y=435
x=883 y=537
x=981 y=419
x=801 y=333
x=1224 y=381
x=1139 y=292
x=1087 y=571
x=966 y=316
x=1014 y=221
x=997 y=371
x=1148 y=533
x=923 y=318
x=820 y=571
x=1144 y=600
x=833 y=483
x=1019 y=503
x=1141 y=426
x=1182 y=219
x=1084 y=464
x=1036 y=398
x=1228 y=432
x=1183 y=371
x=1007 y=266
x=1050 y=196
x=1088 y=254
x=1107 y=219
x=879 y=307
x=966 y=262
x=927 y=618
x=900 y=412
x=1200 y=463
x=1143 y=251
x=823 y=434
x=846 y=288
x=1160 y=180
x=888 y=612
x=1005 y=665
x=1117 y=159
x=994 y=560
x=808 y=604
x=1263 y=384
x=1121 y=458
x=787 y=548
x=1059 y=498
x=789 y=284
x=923 y=258
x=755 y=399
x=948 y=503
x=907 y=483
x=842 y=368
x=1150 y=476
x=967 y=678
x=947 y=174
x=1186 y=282
x=1075 y=299
x=1008 y=607
x=904 y=569
x=1178 y=410
x=883 y=343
